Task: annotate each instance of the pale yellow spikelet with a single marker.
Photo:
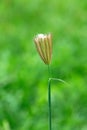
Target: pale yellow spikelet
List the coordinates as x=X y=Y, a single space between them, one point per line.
x=44 y=47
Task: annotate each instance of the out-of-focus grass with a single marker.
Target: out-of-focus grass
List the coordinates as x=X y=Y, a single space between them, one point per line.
x=23 y=76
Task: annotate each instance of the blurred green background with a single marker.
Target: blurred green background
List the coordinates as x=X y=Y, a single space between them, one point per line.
x=24 y=77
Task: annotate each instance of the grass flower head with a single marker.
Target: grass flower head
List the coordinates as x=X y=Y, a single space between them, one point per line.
x=44 y=47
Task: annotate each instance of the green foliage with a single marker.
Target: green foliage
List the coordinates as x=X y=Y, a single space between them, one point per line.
x=23 y=76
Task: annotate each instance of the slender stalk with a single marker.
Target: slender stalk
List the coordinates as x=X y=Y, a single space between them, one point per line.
x=49 y=96
x=49 y=101
x=49 y=71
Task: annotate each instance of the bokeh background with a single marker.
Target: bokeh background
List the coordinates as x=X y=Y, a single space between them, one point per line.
x=24 y=77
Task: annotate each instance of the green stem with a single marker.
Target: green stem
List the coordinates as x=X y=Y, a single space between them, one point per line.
x=49 y=96
x=49 y=100
x=49 y=71
x=49 y=103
